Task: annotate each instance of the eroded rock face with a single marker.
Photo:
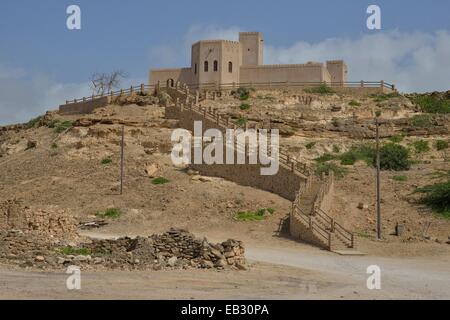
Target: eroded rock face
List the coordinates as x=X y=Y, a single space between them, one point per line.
x=48 y=221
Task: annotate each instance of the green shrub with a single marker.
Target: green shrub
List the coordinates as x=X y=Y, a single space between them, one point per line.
x=396 y=138
x=321 y=168
x=383 y=96
x=421 y=146
x=160 y=180
x=63 y=126
x=400 y=178
x=310 y=145
x=74 y=251
x=325 y=158
x=112 y=213
x=322 y=89
x=433 y=104
x=336 y=148
x=437 y=196
x=348 y=158
x=106 y=161
x=54 y=145
x=393 y=157
x=421 y=121
x=244 y=106
x=270 y=210
x=241 y=121
x=243 y=93
x=363 y=152
x=354 y=103
x=441 y=145
x=250 y=215
x=34 y=123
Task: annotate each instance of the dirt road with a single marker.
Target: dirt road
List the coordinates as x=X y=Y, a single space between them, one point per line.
x=275 y=273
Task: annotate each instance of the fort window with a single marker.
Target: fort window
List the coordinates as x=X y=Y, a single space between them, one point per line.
x=216 y=65
x=230 y=67
x=206 y=66
x=195 y=69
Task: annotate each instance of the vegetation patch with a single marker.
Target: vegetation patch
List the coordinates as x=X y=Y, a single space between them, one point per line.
x=106 y=161
x=74 y=251
x=242 y=93
x=363 y=152
x=251 y=215
x=421 y=146
x=322 y=89
x=437 y=197
x=396 y=138
x=441 y=145
x=112 y=213
x=244 y=106
x=160 y=180
x=394 y=157
x=433 y=104
x=421 y=121
x=338 y=171
x=34 y=123
x=310 y=145
x=62 y=126
x=241 y=121
x=336 y=148
x=384 y=96
x=400 y=178
x=354 y=103
x=325 y=158
x=54 y=145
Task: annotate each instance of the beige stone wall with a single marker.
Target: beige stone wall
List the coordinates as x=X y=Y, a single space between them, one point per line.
x=313 y=72
x=252 y=46
x=184 y=75
x=231 y=52
x=84 y=107
x=337 y=70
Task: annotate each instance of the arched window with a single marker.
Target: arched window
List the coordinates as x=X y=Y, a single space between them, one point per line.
x=195 y=69
x=230 y=67
x=206 y=66
x=216 y=65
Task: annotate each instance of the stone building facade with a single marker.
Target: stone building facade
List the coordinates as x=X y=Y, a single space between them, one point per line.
x=225 y=62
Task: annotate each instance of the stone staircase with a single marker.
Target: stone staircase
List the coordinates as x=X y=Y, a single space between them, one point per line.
x=307 y=221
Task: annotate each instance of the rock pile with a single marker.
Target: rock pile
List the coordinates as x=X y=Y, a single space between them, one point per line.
x=174 y=249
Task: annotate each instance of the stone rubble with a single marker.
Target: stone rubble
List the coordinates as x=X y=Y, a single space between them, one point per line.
x=174 y=249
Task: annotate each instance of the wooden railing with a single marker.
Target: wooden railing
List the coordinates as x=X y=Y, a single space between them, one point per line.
x=276 y=84
x=143 y=88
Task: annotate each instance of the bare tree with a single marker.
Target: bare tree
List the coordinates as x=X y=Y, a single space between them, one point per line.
x=102 y=83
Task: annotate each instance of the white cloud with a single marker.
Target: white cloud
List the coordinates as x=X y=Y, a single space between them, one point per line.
x=413 y=61
x=177 y=54
x=26 y=95
x=23 y=96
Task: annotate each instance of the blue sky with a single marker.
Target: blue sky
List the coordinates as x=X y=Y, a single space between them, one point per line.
x=37 y=51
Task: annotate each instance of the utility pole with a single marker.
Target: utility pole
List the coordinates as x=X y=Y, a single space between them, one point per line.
x=121 y=160
x=378 y=175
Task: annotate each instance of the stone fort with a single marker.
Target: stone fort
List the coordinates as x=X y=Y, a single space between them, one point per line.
x=225 y=62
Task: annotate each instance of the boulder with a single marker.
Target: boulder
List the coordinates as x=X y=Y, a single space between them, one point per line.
x=151 y=170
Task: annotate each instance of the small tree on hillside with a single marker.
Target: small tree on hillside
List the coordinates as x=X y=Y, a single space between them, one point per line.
x=102 y=83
